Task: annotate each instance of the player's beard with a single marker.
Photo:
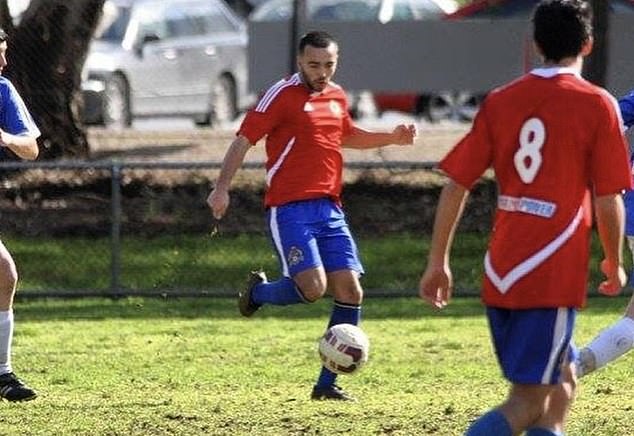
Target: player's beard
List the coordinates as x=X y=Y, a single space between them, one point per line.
x=316 y=85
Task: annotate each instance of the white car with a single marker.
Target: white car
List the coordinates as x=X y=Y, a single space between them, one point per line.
x=356 y=10
x=154 y=58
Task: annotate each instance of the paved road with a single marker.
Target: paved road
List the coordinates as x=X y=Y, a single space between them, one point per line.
x=180 y=140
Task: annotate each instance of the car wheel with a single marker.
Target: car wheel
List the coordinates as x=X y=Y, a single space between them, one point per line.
x=116 y=104
x=223 y=108
x=439 y=107
x=467 y=105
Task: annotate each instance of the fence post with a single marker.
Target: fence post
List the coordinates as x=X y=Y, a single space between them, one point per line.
x=115 y=229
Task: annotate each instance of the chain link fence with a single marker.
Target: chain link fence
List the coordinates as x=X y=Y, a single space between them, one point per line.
x=113 y=228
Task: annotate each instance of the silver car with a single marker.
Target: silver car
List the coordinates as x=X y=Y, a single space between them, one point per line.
x=154 y=58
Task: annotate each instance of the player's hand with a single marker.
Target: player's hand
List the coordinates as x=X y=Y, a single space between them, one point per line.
x=615 y=278
x=405 y=134
x=218 y=202
x=436 y=286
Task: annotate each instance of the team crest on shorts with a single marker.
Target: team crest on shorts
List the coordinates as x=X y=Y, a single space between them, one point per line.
x=295 y=256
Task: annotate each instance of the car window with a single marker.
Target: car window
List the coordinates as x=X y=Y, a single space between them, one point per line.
x=212 y=19
x=113 y=23
x=151 y=21
x=346 y=11
x=416 y=10
x=179 y=22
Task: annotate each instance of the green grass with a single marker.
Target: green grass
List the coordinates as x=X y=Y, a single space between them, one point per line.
x=193 y=367
x=393 y=263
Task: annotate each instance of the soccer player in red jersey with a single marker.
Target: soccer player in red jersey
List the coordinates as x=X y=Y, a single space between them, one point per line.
x=553 y=140
x=306 y=123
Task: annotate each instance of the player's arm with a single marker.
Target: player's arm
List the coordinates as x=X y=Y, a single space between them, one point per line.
x=24 y=146
x=218 y=199
x=626 y=104
x=436 y=283
x=610 y=224
x=361 y=138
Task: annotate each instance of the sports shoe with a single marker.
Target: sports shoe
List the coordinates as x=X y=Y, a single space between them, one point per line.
x=333 y=392
x=585 y=362
x=13 y=389
x=246 y=306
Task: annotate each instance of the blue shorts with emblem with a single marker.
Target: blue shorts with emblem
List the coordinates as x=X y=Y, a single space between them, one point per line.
x=532 y=344
x=312 y=233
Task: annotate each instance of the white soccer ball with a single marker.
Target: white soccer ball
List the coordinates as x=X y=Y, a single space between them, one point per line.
x=344 y=348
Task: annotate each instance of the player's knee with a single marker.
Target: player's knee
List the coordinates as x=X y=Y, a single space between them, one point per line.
x=312 y=284
x=351 y=295
x=312 y=292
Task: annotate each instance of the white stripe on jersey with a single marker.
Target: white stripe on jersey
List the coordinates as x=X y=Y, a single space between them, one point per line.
x=280 y=160
x=504 y=283
x=274 y=91
x=275 y=234
x=559 y=337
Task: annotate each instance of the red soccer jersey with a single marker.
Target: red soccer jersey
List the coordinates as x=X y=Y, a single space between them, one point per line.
x=551 y=138
x=303 y=146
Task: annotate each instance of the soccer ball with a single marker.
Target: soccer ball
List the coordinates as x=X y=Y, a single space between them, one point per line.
x=344 y=348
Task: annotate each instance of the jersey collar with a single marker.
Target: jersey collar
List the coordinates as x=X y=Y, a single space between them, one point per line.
x=549 y=72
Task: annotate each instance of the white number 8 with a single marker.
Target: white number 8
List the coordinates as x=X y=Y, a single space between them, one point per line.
x=528 y=158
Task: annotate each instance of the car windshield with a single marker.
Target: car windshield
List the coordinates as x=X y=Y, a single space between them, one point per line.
x=113 y=23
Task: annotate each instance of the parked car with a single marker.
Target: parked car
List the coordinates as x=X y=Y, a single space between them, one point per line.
x=154 y=58
x=367 y=102
x=356 y=10
x=484 y=9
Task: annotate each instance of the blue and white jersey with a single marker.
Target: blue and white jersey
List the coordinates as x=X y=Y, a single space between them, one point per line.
x=626 y=104
x=14 y=116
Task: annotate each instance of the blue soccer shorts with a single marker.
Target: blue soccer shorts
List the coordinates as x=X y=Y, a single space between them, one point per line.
x=532 y=344
x=312 y=233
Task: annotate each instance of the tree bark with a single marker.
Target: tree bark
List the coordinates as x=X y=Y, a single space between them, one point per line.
x=46 y=54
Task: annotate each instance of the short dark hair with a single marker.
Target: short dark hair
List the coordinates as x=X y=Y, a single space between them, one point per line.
x=562 y=27
x=316 y=38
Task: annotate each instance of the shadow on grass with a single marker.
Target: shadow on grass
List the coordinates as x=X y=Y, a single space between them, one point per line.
x=225 y=308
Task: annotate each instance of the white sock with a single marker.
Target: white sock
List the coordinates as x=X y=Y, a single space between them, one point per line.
x=613 y=342
x=6 y=336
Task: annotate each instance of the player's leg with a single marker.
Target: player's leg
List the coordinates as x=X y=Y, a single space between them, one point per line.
x=303 y=277
x=346 y=309
x=610 y=343
x=528 y=345
x=341 y=261
x=557 y=405
x=11 y=388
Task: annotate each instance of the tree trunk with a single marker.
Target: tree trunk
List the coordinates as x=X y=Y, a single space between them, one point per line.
x=596 y=65
x=46 y=54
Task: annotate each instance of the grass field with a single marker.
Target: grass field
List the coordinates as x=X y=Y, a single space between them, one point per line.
x=194 y=367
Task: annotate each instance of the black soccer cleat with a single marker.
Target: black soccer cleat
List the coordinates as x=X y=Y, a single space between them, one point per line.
x=333 y=392
x=246 y=306
x=13 y=389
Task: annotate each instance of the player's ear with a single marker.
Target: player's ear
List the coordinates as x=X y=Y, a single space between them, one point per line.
x=586 y=49
x=538 y=51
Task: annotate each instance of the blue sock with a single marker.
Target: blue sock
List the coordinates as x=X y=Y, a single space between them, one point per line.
x=491 y=423
x=342 y=313
x=539 y=431
x=281 y=292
